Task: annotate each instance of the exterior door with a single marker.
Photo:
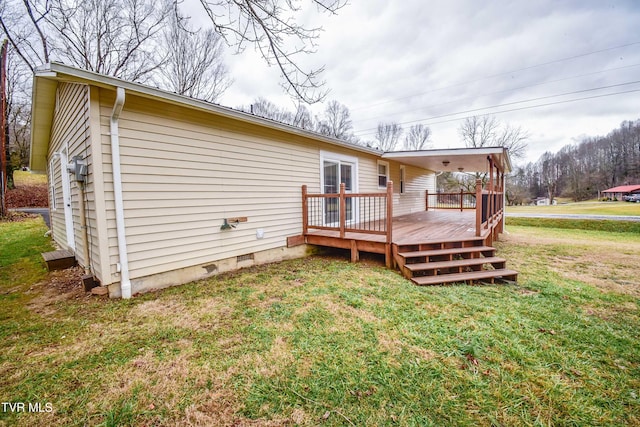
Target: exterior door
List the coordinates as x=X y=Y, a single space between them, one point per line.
x=66 y=198
x=336 y=173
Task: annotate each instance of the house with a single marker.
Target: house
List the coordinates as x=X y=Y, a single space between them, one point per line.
x=544 y=201
x=151 y=189
x=618 y=193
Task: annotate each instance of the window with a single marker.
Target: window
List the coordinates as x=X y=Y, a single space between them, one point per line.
x=383 y=173
x=402 y=180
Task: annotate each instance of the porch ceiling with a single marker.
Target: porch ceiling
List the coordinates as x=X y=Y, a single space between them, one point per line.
x=450 y=160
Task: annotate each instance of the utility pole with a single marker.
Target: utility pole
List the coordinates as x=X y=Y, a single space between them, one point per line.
x=3 y=126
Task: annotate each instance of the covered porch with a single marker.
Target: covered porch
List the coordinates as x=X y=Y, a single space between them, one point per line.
x=430 y=243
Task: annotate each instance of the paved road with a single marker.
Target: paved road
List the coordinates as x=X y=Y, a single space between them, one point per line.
x=574 y=216
x=38 y=211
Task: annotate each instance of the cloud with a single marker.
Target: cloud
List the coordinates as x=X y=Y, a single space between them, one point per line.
x=412 y=61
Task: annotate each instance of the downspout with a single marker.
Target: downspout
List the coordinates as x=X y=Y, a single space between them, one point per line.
x=125 y=282
x=83 y=228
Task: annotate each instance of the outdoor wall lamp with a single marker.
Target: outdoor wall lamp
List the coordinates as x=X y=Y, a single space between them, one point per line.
x=445 y=163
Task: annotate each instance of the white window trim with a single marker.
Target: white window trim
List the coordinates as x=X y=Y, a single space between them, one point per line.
x=335 y=157
x=386 y=164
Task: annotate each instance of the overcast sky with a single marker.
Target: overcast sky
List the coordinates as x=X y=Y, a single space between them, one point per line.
x=418 y=61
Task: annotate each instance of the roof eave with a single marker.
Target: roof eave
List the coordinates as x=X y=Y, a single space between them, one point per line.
x=89 y=77
x=42 y=109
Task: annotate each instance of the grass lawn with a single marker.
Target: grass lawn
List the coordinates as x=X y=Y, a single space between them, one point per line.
x=582 y=208
x=321 y=341
x=28 y=178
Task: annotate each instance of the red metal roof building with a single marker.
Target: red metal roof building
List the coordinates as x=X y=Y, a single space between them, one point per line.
x=618 y=192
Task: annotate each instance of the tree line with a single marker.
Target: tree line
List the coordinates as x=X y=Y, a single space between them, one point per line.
x=581 y=171
x=335 y=122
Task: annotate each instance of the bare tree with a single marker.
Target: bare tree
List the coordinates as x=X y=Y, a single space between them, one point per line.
x=18 y=111
x=388 y=136
x=550 y=174
x=303 y=118
x=193 y=65
x=336 y=121
x=23 y=30
x=267 y=109
x=487 y=131
x=271 y=27
x=113 y=37
x=417 y=137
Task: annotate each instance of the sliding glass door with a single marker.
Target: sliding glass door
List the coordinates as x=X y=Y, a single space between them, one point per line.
x=335 y=173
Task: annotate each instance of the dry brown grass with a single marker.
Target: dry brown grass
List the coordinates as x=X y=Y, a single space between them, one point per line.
x=589 y=259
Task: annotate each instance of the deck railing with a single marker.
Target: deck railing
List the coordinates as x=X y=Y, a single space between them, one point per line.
x=488 y=204
x=490 y=209
x=460 y=200
x=368 y=213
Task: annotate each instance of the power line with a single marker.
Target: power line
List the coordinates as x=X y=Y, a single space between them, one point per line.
x=514 y=109
x=503 y=91
x=555 y=61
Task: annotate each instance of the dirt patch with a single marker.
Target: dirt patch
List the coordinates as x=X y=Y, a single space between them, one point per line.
x=388 y=344
x=527 y=292
x=612 y=312
x=61 y=285
x=347 y=312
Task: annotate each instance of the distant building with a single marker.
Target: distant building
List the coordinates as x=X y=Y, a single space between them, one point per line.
x=618 y=193
x=544 y=201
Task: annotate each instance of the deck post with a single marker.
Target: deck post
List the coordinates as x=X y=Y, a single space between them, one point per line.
x=388 y=256
x=389 y=218
x=355 y=253
x=426 y=201
x=478 y=207
x=491 y=208
x=461 y=198
x=305 y=211
x=343 y=210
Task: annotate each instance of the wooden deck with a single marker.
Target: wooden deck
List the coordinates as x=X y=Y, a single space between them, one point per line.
x=425 y=227
x=431 y=247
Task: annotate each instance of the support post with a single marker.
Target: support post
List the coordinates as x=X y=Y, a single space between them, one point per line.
x=355 y=253
x=490 y=202
x=305 y=211
x=478 y=207
x=389 y=218
x=461 y=199
x=388 y=256
x=426 y=201
x=343 y=210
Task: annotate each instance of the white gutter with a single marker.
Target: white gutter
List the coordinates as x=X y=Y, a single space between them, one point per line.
x=125 y=282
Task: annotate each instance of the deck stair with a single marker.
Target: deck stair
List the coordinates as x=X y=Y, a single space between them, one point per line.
x=451 y=261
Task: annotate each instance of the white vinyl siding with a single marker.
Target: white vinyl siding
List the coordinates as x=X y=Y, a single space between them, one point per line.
x=417 y=181
x=185 y=171
x=69 y=132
